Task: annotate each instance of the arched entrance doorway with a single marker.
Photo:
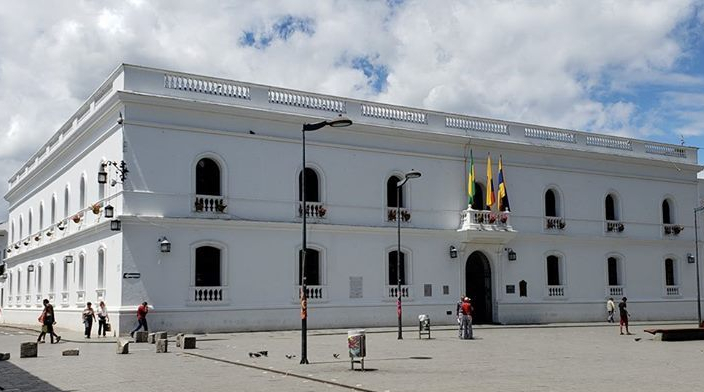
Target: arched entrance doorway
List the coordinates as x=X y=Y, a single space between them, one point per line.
x=478 y=287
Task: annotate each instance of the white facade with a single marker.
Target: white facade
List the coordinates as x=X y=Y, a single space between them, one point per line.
x=571 y=254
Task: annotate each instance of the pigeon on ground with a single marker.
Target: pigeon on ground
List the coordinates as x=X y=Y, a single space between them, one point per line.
x=336 y=356
x=264 y=353
x=256 y=355
x=289 y=356
x=252 y=132
x=637 y=339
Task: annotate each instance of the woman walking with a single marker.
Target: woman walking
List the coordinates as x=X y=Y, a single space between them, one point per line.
x=88 y=318
x=103 y=318
x=48 y=321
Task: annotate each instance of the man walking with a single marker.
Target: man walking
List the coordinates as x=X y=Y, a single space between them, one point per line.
x=466 y=323
x=142 y=311
x=610 y=308
x=624 y=315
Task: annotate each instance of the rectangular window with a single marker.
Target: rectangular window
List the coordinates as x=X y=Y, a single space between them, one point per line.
x=428 y=290
x=670 y=272
x=553 y=271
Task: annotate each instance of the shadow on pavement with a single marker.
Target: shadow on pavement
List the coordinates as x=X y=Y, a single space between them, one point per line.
x=16 y=379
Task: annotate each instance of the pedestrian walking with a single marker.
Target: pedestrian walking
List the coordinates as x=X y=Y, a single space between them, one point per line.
x=103 y=318
x=466 y=323
x=142 y=311
x=458 y=313
x=610 y=309
x=48 y=320
x=88 y=318
x=623 y=312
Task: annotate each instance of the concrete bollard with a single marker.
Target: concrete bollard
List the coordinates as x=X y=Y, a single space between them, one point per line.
x=151 y=339
x=188 y=342
x=162 y=346
x=162 y=335
x=141 y=336
x=4 y=356
x=179 y=339
x=28 y=350
x=70 y=353
x=123 y=346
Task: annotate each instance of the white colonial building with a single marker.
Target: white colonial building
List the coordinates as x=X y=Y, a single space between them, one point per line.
x=211 y=168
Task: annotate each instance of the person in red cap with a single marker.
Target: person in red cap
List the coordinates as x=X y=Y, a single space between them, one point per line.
x=466 y=322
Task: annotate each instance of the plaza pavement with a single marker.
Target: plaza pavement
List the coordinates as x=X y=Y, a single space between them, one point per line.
x=568 y=357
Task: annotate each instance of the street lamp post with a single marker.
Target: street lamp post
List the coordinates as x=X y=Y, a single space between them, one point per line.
x=696 y=260
x=399 y=185
x=335 y=123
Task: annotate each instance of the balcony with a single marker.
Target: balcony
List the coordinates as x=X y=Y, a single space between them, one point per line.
x=313 y=210
x=405 y=214
x=554 y=223
x=392 y=291
x=672 y=230
x=614 y=291
x=314 y=293
x=672 y=291
x=208 y=295
x=209 y=204
x=486 y=226
x=613 y=226
x=555 y=291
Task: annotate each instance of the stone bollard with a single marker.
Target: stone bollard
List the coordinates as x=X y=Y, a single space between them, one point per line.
x=179 y=339
x=162 y=346
x=70 y=353
x=188 y=342
x=162 y=335
x=4 y=356
x=141 y=336
x=152 y=338
x=123 y=346
x=28 y=350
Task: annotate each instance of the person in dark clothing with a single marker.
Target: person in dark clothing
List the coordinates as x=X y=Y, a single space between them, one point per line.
x=48 y=321
x=624 y=315
x=88 y=318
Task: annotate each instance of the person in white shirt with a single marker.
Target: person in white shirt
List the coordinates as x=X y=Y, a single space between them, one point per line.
x=610 y=308
x=103 y=318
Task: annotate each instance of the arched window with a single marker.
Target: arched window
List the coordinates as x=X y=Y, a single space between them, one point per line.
x=312 y=266
x=208 y=266
x=611 y=208
x=52 y=276
x=312 y=186
x=553 y=267
x=30 y=218
x=551 y=203
x=21 y=228
x=12 y=231
x=101 y=268
x=478 y=200
x=670 y=272
x=391 y=192
x=53 y=209
x=39 y=278
x=395 y=269
x=28 y=286
x=41 y=216
x=19 y=282
x=64 y=283
x=81 y=272
x=614 y=271
x=101 y=187
x=66 y=202
x=666 y=212
x=523 y=288
x=208 y=177
x=82 y=193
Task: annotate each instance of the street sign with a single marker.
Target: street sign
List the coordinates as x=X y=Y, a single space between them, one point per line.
x=131 y=275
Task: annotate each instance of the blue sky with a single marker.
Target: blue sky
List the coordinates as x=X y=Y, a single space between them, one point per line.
x=629 y=68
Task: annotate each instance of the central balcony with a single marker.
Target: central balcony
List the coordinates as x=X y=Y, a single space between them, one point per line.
x=487 y=226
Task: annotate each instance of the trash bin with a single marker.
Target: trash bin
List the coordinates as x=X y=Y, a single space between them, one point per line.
x=423 y=325
x=357 y=345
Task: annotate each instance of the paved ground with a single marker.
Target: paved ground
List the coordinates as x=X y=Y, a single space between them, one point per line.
x=588 y=357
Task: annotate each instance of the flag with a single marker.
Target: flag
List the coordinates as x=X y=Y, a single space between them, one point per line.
x=490 y=197
x=503 y=193
x=470 y=183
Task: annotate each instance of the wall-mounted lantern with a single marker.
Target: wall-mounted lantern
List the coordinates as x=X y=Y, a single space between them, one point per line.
x=68 y=259
x=103 y=174
x=690 y=258
x=453 y=252
x=109 y=211
x=115 y=225
x=164 y=245
x=30 y=268
x=511 y=254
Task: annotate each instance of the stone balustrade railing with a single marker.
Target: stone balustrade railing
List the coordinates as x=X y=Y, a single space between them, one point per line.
x=314 y=293
x=204 y=295
x=612 y=226
x=555 y=290
x=671 y=229
x=555 y=223
x=404 y=212
x=392 y=291
x=209 y=204
x=614 y=291
x=313 y=210
x=485 y=220
x=672 y=290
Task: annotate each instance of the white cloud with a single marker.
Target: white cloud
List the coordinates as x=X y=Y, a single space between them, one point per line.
x=549 y=62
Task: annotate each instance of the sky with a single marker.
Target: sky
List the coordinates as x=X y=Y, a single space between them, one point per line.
x=628 y=68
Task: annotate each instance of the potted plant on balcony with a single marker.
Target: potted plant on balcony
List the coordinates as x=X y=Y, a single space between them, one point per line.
x=221 y=206
x=96 y=208
x=677 y=229
x=61 y=225
x=503 y=218
x=199 y=205
x=49 y=233
x=492 y=218
x=391 y=215
x=479 y=218
x=562 y=224
x=620 y=227
x=550 y=224
x=26 y=242
x=322 y=211
x=77 y=218
x=405 y=215
x=668 y=229
x=17 y=245
x=37 y=237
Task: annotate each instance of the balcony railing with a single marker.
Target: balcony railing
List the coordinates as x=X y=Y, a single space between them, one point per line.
x=670 y=229
x=314 y=293
x=404 y=212
x=313 y=210
x=392 y=291
x=555 y=223
x=614 y=291
x=64 y=298
x=51 y=297
x=555 y=291
x=672 y=290
x=38 y=299
x=485 y=220
x=209 y=204
x=612 y=226
x=80 y=297
x=208 y=295
x=100 y=294
x=28 y=299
